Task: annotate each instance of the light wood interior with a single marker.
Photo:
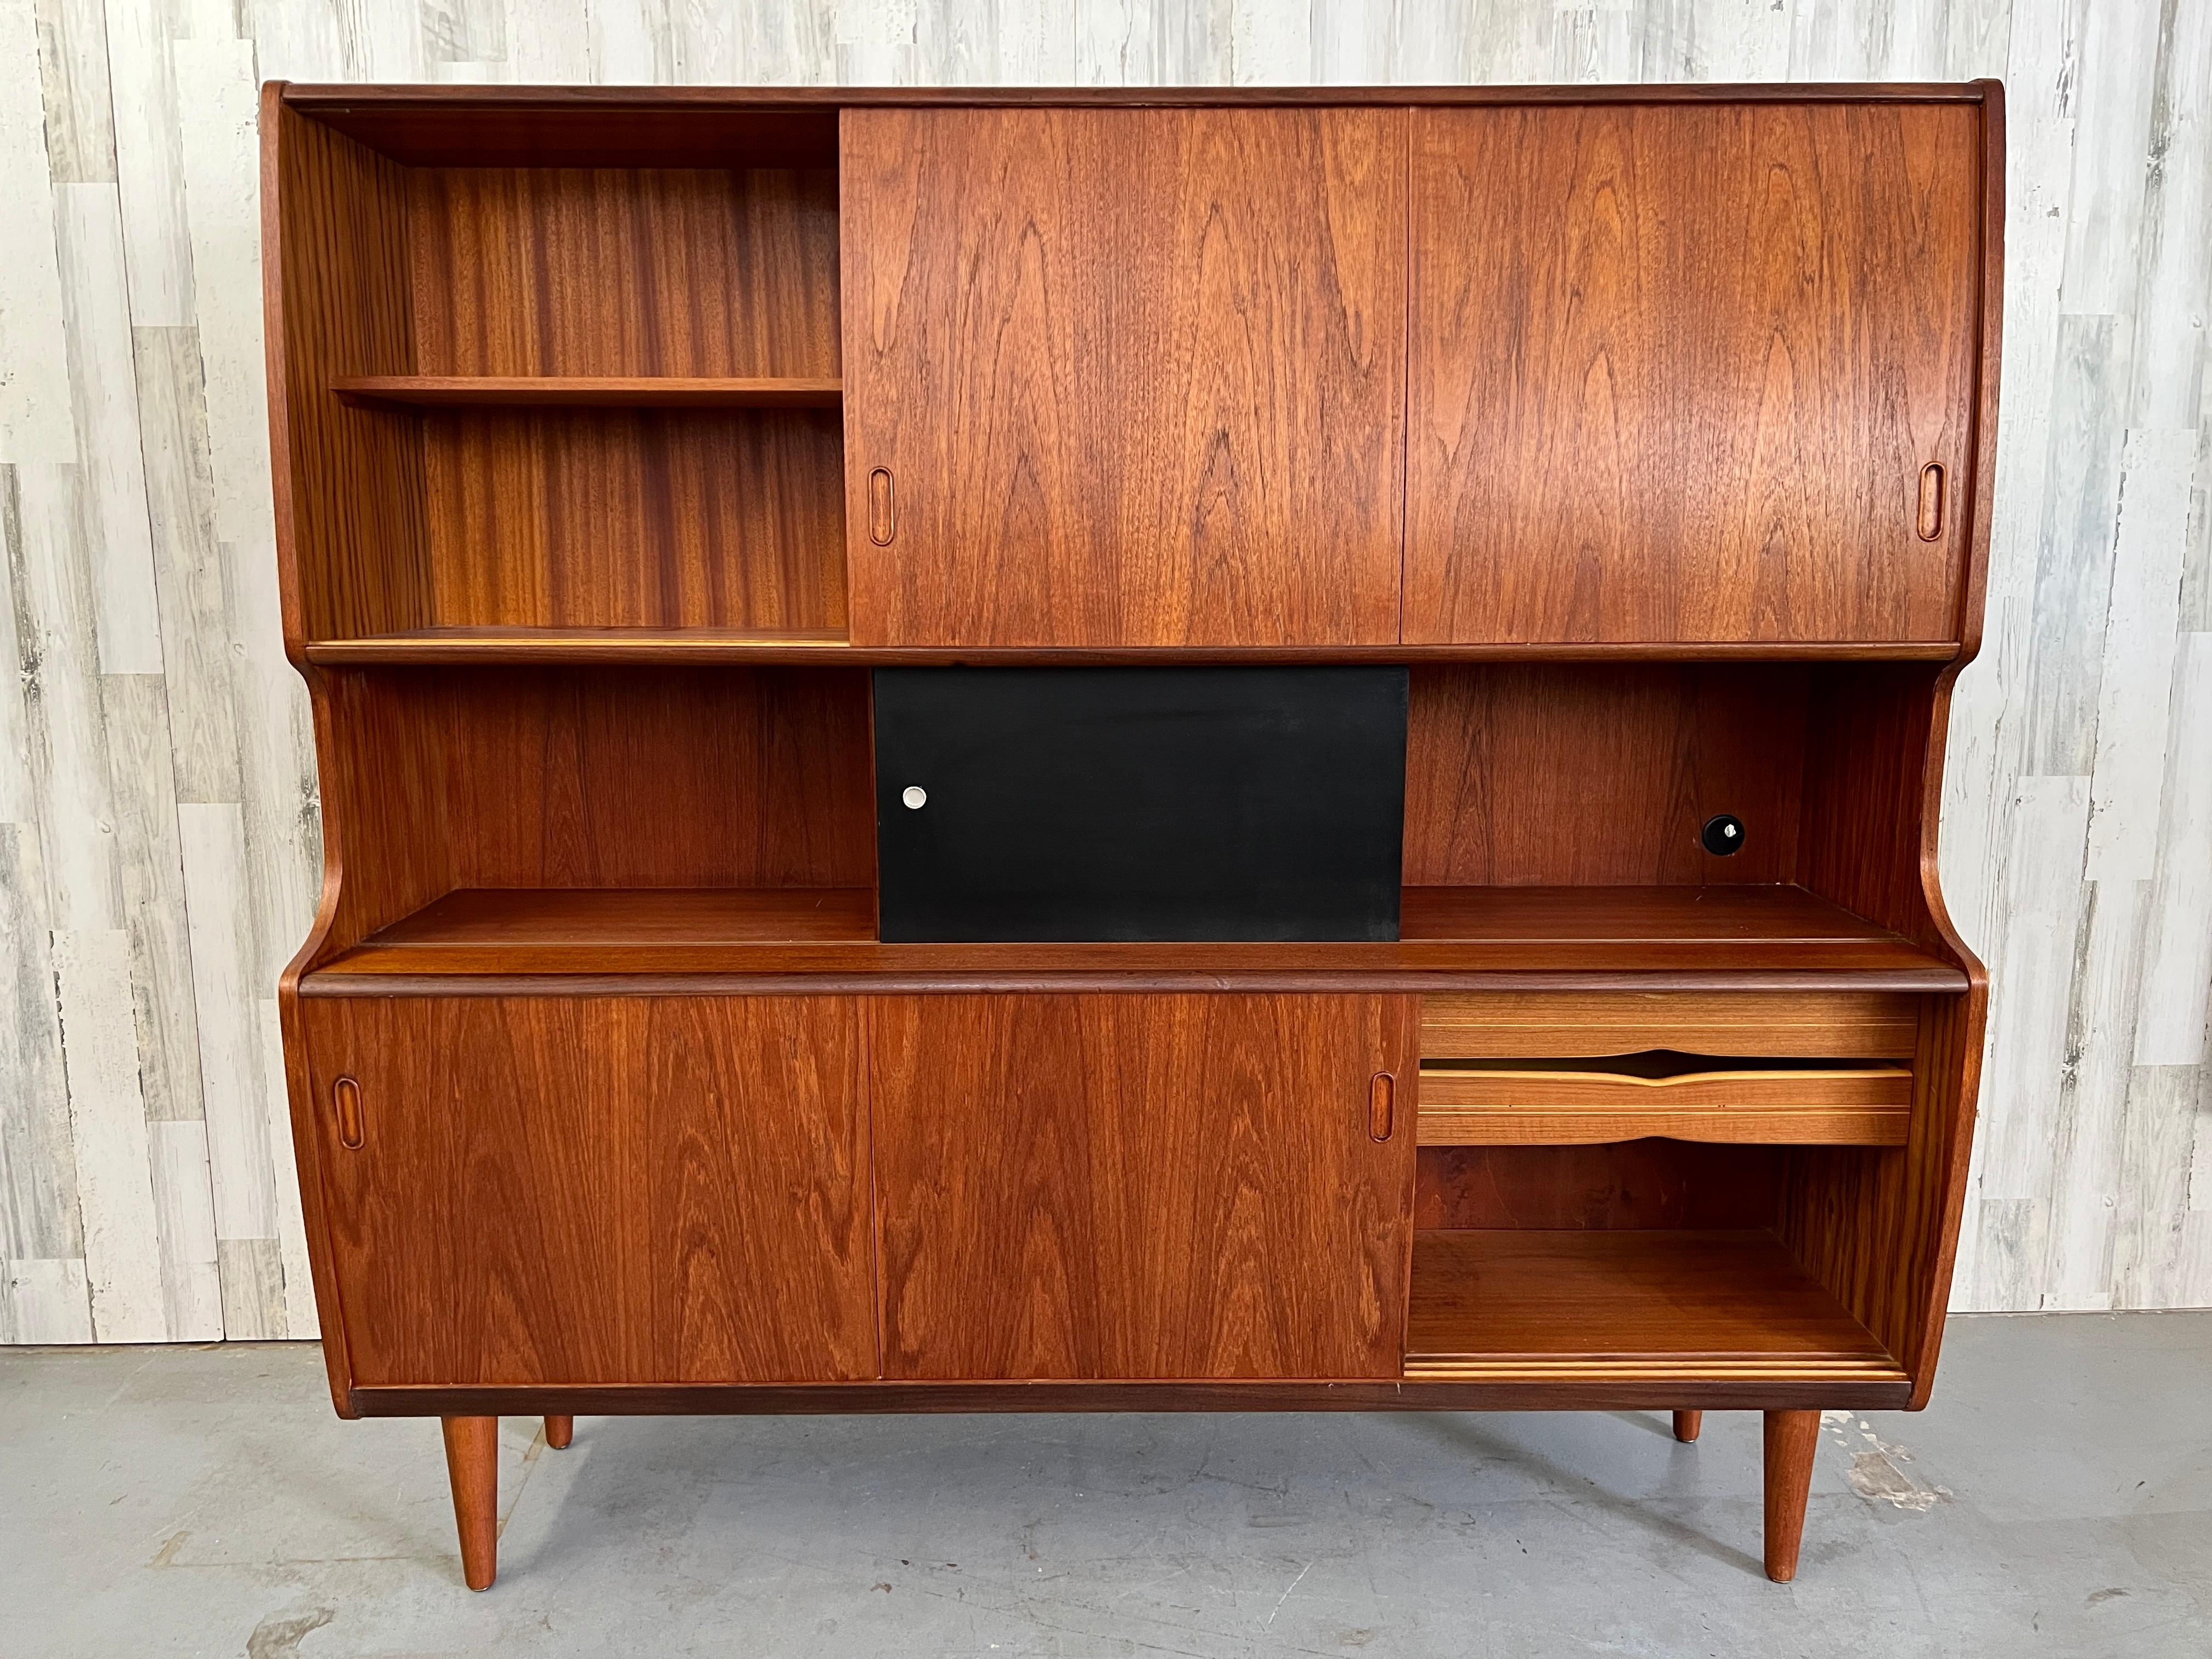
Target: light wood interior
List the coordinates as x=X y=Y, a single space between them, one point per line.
x=1500 y=1304
x=1516 y=1103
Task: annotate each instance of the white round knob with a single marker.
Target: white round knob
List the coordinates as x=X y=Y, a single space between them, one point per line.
x=915 y=796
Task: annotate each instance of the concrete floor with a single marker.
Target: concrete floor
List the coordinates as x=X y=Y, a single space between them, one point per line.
x=2056 y=1499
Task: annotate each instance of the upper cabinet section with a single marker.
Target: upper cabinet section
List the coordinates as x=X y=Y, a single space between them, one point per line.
x=1124 y=377
x=1691 y=372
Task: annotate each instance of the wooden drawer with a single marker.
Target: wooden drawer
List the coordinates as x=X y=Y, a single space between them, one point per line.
x=1682 y=1097
x=1818 y=1024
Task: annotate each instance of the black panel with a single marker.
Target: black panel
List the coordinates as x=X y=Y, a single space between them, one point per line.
x=1140 y=803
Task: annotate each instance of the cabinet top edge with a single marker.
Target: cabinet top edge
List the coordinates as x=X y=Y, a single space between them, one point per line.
x=312 y=97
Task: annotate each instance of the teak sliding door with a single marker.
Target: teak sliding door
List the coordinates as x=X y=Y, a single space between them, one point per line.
x=1129 y=1186
x=605 y=1189
x=1691 y=371
x=1119 y=377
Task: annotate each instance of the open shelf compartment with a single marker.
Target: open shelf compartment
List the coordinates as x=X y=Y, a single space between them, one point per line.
x=533 y=387
x=1504 y=1304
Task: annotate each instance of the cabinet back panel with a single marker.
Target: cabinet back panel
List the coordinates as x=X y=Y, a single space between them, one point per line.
x=1677 y=369
x=1627 y=1183
x=636 y=517
x=1542 y=775
x=620 y=271
x=739 y=778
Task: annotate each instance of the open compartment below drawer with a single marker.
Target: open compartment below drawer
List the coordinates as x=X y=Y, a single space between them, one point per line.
x=1762 y=1100
x=1497 y=1304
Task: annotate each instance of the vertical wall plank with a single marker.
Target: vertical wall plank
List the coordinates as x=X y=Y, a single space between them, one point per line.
x=97 y=311
x=231 y=1054
x=36 y=421
x=148 y=165
x=107 y=1125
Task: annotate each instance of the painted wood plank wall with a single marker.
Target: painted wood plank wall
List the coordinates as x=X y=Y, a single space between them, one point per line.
x=158 y=814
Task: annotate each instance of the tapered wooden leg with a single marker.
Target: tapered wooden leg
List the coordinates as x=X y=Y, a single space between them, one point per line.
x=559 y=1432
x=1686 y=1425
x=472 y=1463
x=1790 y=1438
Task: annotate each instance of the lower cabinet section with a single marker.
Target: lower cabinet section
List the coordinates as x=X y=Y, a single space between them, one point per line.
x=1134 y=1186
x=596 y=1189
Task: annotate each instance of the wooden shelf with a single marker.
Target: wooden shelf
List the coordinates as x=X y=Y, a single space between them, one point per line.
x=662 y=646
x=1561 y=937
x=1754 y=1101
x=584 y=391
x=1597 y=1303
x=642 y=647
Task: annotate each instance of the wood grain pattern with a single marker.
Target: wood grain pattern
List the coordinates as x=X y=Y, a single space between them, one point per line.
x=1869 y=1106
x=1881 y=1228
x=1691 y=396
x=1634 y=1184
x=623 y=271
x=1789 y=1440
x=1509 y=1025
x=612 y=518
x=1659 y=751
x=579 y=1191
x=1615 y=1293
x=1139 y=1186
x=439 y=779
x=1138 y=374
x=352 y=538
x=472 y=1466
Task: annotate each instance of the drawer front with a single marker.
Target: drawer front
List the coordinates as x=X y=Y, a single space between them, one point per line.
x=534 y=1190
x=1511 y=1024
x=1750 y=1067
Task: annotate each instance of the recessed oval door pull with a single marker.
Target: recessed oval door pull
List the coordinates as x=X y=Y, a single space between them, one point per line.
x=1380 y=1103
x=1931 y=501
x=345 y=1097
x=883 y=509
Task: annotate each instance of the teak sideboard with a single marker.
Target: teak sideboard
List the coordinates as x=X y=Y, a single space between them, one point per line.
x=621 y=435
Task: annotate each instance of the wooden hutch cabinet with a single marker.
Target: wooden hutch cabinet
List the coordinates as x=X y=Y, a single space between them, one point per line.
x=622 y=438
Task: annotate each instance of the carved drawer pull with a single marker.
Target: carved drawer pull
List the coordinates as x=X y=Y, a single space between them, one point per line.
x=1380 y=1101
x=345 y=1097
x=882 y=516
x=1931 y=501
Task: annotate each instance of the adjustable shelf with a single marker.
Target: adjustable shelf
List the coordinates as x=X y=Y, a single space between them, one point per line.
x=470 y=647
x=586 y=391
x=1605 y=1304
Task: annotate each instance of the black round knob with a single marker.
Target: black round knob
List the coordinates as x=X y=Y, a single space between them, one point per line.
x=1723 y=835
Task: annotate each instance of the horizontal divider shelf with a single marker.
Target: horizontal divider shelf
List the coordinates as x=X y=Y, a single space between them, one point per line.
x=1512 y=1103
x=1597 y=1303
x=1533 y=937
x=588 y=391
x=509 y=643
x=641 y=646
